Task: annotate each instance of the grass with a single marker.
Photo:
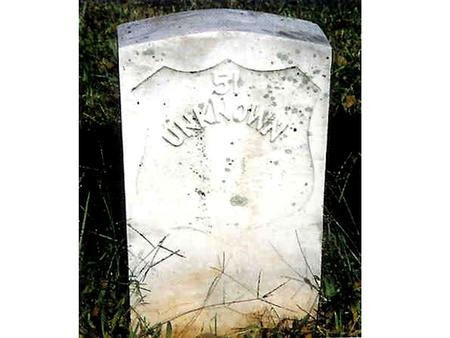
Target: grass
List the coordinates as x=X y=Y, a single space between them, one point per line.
x=103 y=275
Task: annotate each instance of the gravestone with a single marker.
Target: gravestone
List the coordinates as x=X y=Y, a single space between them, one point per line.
x=224 y=123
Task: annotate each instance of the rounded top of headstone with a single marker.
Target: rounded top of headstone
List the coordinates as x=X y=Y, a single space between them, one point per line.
x=219 y=20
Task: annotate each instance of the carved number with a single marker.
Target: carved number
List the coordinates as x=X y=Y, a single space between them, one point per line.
x=223 y=83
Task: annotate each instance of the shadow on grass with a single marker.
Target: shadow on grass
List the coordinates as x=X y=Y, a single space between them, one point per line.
x=103 y=274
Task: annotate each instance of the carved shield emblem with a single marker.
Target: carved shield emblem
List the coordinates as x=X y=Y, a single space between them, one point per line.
x=244 y=142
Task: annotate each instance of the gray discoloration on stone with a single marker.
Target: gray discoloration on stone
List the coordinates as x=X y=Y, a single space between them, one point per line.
x=238 y=200
x=224 y=118
x=282 y=56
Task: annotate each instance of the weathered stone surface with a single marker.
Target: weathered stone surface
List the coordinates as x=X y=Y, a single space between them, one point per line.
x=224 y=117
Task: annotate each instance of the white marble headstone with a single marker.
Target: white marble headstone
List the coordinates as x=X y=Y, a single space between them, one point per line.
x=224 y=123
